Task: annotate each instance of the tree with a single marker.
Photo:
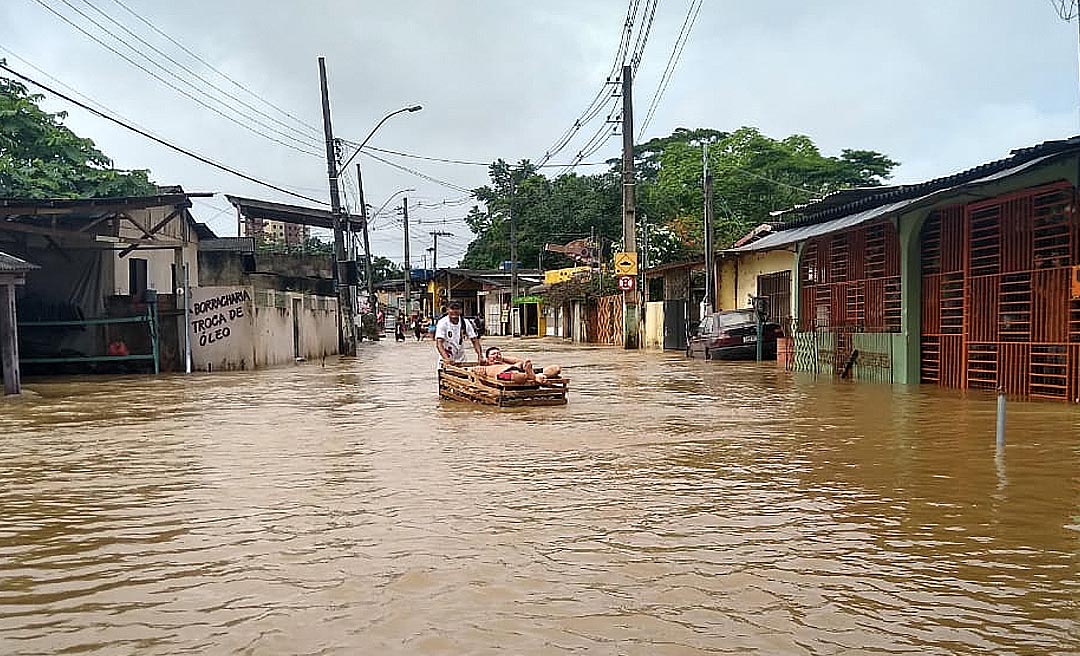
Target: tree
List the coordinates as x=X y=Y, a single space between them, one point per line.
x=754 y=175
x=383 y=269
x=41 y=158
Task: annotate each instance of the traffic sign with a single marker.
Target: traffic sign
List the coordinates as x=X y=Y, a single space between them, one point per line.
x=627 y=283
x=626 y=264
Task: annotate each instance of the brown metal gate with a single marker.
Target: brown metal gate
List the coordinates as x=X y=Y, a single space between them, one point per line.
x=997 y=304
x=850 y=285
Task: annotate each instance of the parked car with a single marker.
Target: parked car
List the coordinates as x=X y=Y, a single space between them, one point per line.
x=732 y=335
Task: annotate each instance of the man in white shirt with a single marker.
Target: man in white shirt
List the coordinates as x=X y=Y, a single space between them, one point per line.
x=450 y=335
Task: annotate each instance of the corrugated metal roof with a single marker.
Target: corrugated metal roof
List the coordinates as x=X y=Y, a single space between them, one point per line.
x=254 y=208
x=803 y=232
x=843 y=203
x=12 y=264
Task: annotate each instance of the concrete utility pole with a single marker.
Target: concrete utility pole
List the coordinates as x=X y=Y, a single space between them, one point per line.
x=515 y=322
x=367 y=242
x=631 y=336
x=706 y=190
x=346 y=323
x=405 y=213
x=435 y=262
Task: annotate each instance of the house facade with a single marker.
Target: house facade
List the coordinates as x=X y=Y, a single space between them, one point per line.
x=966 y=282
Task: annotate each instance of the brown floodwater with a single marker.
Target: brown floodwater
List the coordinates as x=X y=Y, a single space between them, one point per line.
x=673 y=507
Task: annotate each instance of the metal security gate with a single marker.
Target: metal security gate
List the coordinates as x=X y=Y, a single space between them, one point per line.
x=777 y=288
x=998 y=308
x=849 y=301
x=675 y=327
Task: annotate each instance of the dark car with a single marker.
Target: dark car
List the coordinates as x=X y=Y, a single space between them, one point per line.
x=732 y=335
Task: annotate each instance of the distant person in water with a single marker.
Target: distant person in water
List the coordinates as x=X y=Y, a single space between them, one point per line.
x=514 y=370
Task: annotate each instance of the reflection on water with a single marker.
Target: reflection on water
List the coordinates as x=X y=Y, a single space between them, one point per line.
x=672 y=507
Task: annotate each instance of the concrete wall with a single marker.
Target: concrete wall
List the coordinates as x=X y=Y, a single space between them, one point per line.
x=653 y=338
x=220 y=327
x=738 y=276
x=314 y=316
x=244 y=327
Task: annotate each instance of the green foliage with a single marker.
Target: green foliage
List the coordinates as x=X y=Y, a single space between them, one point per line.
x=753 y=175
x=41 y=158
x=581 y=288
x=545 y=211
x=383 y=269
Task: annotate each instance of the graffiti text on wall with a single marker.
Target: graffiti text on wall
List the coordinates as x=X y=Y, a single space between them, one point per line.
x=214 y=316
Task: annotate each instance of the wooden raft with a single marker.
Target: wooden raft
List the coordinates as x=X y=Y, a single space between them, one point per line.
x=460 y=383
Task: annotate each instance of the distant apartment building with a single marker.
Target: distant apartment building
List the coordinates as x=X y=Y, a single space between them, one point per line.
x=275 y=232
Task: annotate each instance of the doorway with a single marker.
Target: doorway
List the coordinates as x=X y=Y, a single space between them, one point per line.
x=297 y=309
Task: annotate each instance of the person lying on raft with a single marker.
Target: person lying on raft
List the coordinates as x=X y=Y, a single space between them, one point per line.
x=514 y=370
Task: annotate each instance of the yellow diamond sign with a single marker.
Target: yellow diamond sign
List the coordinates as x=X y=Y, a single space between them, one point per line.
x=626 y=264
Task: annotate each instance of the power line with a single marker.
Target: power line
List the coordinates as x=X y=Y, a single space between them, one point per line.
x=673 y=60
x=418 y=174
x=159 y=140
x=157 y=77
x=643 y=33
x=192 y=73
x=449 y=160
x=315 y=131
x=590 y=111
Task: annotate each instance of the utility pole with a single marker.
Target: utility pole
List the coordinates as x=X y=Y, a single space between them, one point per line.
x=514 y=316
x=346 y=324
x=405 y=213
x=435 y=263
x=370 y=283
x=629 y=227
x=706 y=190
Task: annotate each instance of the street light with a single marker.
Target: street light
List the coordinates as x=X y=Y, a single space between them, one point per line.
x=413 y=108
x=377 y=212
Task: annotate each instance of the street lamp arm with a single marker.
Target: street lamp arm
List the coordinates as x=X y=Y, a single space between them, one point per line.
x=413 y=108
x=377 y=212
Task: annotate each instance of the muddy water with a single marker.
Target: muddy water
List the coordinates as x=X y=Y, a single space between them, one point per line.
x=672 y=507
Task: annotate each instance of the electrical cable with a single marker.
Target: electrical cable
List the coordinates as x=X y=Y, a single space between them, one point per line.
x=673 y=60
x=157 y=77
x=643 y=34
x=192 y=73
x=449 y=185
x=163 y=142
x=316 y=131
x=449 y=160
x=588 y=114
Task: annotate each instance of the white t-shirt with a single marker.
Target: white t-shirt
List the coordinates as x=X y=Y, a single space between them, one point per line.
x=452 y=333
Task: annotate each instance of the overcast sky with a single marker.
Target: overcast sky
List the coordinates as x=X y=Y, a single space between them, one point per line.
x=940 y=85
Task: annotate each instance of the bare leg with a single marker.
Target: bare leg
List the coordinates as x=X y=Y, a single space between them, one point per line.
x=552 y=370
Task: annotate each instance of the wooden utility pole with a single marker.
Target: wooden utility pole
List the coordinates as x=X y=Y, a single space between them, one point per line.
x=710 y=272
x=405 y=214
x=367 y=242
x=346 y=324
x=631 y=336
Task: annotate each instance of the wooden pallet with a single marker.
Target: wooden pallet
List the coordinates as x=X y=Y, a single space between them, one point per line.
x=461 y=383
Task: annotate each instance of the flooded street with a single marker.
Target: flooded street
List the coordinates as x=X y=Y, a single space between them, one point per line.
x=673 y=507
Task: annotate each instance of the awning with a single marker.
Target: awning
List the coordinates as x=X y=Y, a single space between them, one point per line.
x=802 y=233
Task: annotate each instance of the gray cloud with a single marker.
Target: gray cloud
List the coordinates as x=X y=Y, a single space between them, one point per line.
x=937 y=85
